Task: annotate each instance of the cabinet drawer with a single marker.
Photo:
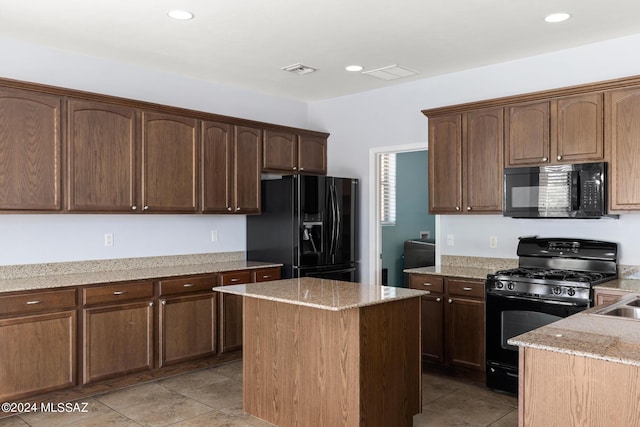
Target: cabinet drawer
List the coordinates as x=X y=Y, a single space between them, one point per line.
x=266 y=274
x=117 y=293
x=465 y=288
x=235 y=277
x=37 y=301
x=187 y=285
x=424 y=282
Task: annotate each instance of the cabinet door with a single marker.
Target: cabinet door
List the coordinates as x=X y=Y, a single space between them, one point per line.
x=464 y=319
x=247 y=165
x=433 y=328
x=217 y=167
x=527 y=134
x=623 y=130
x=482 y=154
x=118 y=339
x=101 y=152
x=231 y=311
x=30 y=146
x=312 y=154
x=187 y=328
x=579 y=135
x=169 y=163
x=38 y=354
x=607 y=296
x=445 y=168
x=280 y=152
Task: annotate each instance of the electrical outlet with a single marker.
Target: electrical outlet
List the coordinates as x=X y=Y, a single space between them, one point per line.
x=425 y=234
x=493 y=242
x=108 y=239
x=214 y=235
x=449 y=239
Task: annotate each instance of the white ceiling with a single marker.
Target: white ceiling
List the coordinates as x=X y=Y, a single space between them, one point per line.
x=245 y=43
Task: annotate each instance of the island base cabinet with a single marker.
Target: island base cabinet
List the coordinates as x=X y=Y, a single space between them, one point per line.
x=308 y=366
x=37 y=354
x=561 y=389
x=117 y=340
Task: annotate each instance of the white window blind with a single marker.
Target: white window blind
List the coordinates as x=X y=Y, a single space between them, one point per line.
x=388 y=188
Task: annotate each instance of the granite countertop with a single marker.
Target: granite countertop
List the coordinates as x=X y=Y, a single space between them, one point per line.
x=46 y=276
x=325 y=294
x=453 y=271
x=624 y=284
x=589 y=335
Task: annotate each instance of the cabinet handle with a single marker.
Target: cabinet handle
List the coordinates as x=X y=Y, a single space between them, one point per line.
x=466 y=288
x=188 y=285
x=34 y=302
x=295 y=168
x=238 y=209
x=450 y=301
x=151 y=304
x=438 y=299
x=468 y=208
x=134 y=208
x=544 y=159
x=427 y=284
x=229 y=208
x=559 y=157
x=120 y=292
x=145 y=208
x=266 y=276
x=164 y=302
x=234 y=279
x=301 y=169
x=457 y=208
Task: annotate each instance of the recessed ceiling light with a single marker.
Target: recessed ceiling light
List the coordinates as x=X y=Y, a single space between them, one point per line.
x=557 y=17
x=182 y=15
x=354 y=68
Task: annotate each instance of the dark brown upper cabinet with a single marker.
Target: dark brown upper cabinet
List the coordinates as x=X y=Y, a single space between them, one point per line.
x=231 y=164
x=560 y=130
x=102 y=157
x=169 y=163
x=289 y=152
x=30 y=150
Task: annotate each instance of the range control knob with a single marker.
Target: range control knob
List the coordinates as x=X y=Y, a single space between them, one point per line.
x=557 y=290
x=499 y=284
x=511 y=286
x=571 y=292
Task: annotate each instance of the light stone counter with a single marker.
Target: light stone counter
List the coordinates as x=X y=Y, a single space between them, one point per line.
x=325 y=294
x=469 y=267
x=585 y=334
x=624 y=284
x=55 y=275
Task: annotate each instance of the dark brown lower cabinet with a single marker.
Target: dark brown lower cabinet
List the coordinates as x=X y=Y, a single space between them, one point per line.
x=118 y=340
x=453 y=322
x=37 y=354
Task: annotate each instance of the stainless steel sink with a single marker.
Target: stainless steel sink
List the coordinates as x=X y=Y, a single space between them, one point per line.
x=627 y=307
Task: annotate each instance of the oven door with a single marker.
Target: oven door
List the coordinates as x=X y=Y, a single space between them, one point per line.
x=508 y=316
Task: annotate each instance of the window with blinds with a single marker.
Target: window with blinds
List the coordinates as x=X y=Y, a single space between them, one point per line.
x=388 y=189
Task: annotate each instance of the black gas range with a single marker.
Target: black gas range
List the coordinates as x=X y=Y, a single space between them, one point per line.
x=554 y=279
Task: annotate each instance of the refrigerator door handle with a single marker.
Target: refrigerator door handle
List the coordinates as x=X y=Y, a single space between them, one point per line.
x=332 y=201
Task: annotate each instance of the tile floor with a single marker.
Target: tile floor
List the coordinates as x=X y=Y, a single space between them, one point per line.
x=213 y=397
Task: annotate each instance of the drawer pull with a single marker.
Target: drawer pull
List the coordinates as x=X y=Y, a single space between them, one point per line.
x=427 y=284
x=164 y=302
x=266 y=276
x=234 y=279
x=188 y=285
x=120 y=292
x=438 y=299
x=466 y=288
x=34 y=302
x=450 y=301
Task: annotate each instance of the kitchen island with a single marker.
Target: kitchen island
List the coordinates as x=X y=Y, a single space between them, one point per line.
x=330 y=353
x=582 y=370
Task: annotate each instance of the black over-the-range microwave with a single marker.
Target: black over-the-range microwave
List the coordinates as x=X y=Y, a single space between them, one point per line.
x=556 y=191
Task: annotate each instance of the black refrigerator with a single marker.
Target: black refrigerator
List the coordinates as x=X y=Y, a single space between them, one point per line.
x=309 y=224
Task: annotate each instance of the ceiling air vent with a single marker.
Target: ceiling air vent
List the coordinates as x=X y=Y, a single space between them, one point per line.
x=299 y=69
x=390 y=72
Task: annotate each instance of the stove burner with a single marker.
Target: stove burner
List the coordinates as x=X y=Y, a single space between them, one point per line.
x=552 y=274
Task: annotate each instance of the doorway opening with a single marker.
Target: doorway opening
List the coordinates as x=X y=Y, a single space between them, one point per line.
x=412 y=219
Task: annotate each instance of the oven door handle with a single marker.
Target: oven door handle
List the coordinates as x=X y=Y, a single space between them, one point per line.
x=546 y=301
